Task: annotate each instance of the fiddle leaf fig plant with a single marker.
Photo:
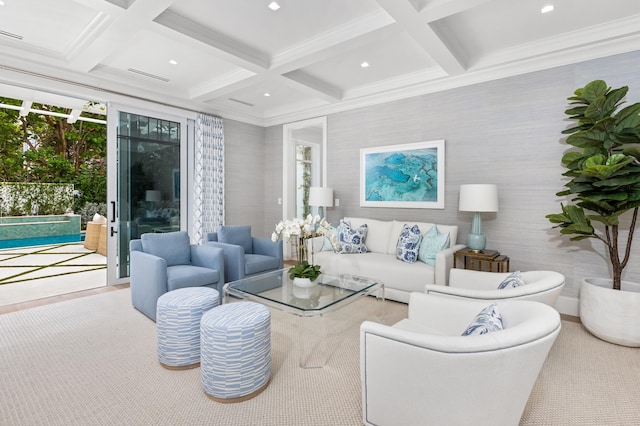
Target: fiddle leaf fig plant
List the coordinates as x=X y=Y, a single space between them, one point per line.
x=604 y=170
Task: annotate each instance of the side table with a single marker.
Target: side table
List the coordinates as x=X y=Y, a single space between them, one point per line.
x=478 y=261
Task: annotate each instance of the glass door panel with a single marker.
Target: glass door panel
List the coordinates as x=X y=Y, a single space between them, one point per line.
x=146 y=194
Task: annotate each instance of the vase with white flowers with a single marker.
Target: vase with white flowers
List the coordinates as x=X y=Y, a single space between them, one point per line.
x=299 y=230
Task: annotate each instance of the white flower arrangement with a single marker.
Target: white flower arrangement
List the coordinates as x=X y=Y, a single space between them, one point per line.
x=302 y=230
x=311 y=227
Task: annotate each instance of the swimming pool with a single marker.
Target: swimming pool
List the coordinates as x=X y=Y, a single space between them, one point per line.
x=41 y=241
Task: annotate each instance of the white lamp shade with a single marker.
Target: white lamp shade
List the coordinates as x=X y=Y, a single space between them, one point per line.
x=321 y=197
x=478 y=198
x=152 y=195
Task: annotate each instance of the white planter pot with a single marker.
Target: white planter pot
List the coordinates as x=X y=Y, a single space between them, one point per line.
x=303 y=282
x=611 y=315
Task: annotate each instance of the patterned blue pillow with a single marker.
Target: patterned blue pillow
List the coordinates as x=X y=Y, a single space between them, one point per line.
x=513 y=280
x=408 y=244
x=351 y=240
x=433 y=242
x=488 y=320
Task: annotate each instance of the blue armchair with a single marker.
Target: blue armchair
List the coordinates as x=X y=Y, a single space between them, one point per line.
x=163 y=262
x=245 y=255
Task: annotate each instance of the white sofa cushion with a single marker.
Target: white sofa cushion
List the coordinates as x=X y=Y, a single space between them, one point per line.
x=377 y=235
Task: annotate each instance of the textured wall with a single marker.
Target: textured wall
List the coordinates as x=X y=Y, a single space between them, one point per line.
x=505 y=132
x=244 y=175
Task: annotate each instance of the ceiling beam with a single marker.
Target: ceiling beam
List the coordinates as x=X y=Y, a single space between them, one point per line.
x=419 y=29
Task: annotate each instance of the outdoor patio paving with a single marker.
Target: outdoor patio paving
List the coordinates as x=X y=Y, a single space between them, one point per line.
x=31 y=273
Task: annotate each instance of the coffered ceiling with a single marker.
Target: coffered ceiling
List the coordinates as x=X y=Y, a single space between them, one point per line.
x=242 y=60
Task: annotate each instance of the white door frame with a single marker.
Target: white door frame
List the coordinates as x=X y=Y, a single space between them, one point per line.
x=288 y=163
x=112 y=180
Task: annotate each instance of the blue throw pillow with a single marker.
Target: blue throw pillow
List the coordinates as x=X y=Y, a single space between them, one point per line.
x=513 y=280
x=433 y=242
x=352 y=240
x=238 y=235
x=488 y=320
x=173 y=247
x=408 y=244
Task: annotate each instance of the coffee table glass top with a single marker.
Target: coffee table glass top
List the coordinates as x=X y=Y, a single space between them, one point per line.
x=277 y=289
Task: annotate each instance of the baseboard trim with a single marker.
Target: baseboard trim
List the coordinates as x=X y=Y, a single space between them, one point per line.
x=568 y=306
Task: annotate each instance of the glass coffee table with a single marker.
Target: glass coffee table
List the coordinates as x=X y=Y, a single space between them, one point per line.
x=332 y=292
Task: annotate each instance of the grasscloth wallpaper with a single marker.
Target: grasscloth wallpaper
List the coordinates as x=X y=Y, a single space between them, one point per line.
x=505 y=132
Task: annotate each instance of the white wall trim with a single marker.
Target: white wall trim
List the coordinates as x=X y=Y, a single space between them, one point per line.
x=568 y=305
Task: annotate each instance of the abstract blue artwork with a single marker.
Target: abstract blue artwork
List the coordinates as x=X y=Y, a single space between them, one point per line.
x=409 y=175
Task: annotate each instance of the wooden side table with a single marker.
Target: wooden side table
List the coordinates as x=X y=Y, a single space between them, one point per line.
x=483 y=260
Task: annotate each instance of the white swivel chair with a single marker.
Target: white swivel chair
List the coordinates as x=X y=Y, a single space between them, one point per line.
x=540 y=286
x=421 y=371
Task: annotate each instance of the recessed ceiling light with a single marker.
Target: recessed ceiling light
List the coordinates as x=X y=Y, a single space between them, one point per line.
x=173 y=62
x=365 y=64
x=1 y=3
x=267 y=94
x=274 y=6
x=546 y=9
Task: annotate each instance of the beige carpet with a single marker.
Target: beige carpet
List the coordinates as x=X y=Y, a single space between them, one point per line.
x=92 y=361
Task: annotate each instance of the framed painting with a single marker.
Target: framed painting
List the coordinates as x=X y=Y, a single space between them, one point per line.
x=404 y=176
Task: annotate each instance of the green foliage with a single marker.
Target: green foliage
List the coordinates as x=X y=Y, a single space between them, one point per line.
x=89 y=209
x=19 y=199
x=304 y=270
x=56 y=152
x=603 y=168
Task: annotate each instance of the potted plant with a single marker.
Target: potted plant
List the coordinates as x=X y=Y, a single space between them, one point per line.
x=303 y=273
x=604 y=184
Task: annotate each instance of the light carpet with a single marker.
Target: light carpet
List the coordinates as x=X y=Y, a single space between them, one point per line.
x=93 y=361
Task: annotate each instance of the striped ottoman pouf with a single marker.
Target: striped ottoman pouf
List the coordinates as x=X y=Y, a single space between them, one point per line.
x=235 y=351
x=178 y=315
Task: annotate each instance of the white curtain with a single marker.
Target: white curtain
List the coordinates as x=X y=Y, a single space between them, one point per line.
x=208 y=200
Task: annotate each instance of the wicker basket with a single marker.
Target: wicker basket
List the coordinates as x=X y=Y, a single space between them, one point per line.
x=92 y=236
x=102 y=241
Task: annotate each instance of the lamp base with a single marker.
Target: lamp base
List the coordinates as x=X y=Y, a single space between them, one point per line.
x=476 y=242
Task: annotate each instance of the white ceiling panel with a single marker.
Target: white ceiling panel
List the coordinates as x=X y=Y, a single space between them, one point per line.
x=35 y=21
x=252 y=23
x=393 y=57
x=150 y=53
x=502 y=24
x=307 y=54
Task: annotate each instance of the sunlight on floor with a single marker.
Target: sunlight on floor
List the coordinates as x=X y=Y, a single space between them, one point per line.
x=30 y=273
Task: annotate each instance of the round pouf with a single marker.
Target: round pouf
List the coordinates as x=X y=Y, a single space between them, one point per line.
x=178 y=316
x=235 y=351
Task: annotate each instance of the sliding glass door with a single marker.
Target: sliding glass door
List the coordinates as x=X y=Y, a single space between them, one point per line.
x=146 y=164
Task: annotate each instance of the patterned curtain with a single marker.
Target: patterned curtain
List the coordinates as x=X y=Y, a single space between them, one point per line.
x=208 y=209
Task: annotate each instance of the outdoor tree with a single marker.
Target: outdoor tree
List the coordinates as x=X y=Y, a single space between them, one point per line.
x=49 y=149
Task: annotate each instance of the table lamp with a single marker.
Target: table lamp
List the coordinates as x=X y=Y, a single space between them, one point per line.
x=152 y=195
x=320 y=197
x=478 y=198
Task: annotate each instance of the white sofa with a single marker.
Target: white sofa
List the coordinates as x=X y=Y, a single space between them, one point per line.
x=400 y=278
